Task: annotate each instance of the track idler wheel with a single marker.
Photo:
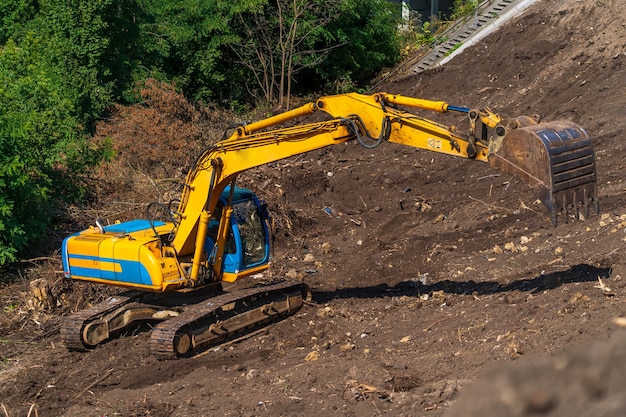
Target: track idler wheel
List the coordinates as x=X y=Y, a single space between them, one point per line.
x=556 y=159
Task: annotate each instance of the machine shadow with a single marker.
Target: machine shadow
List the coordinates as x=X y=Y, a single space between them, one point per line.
x=577 y=273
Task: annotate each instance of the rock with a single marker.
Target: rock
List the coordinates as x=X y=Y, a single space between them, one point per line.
x=439 y=218
x=325 y=312
x=326 y=247
x=347 y=347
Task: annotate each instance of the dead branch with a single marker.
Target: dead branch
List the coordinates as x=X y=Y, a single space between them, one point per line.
x=96 y=382
x=491 y=206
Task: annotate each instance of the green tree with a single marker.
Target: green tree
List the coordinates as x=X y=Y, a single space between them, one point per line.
x=184 y=42
x=366 y=31
x=92 y=46
x=14 y=14
x=303 y=46
x=74 y=37
x=42 y=150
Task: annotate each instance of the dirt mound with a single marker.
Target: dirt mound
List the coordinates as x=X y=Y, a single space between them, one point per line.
x=588 y=382
x=426 y=270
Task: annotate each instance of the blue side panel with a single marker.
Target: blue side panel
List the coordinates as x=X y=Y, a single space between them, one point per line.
x=231 y=263
x=66 y=266
x=131 y=271
x=231 y=260
x=132 y=226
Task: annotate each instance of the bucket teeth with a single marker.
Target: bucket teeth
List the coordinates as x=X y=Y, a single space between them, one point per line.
x=555 y=159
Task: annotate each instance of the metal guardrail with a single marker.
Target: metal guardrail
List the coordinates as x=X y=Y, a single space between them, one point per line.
x=462 y=33
x=464 y=30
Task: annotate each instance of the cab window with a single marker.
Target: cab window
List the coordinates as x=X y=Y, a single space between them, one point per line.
x=251 y=231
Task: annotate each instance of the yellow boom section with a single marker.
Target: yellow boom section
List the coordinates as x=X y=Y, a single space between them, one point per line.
x=353 y=115
x=562 y=158
x=375 y=113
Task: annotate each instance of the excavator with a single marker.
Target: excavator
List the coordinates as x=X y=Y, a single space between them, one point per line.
x=173 y=270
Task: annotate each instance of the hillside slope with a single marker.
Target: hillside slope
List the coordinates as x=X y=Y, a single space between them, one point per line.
x=430 y=271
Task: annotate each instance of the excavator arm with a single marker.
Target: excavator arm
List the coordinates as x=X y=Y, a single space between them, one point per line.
x=369 y=119
x=555 y=159
x=219 y=231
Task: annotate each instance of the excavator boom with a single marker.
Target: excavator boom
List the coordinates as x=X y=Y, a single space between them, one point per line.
x=219 y=233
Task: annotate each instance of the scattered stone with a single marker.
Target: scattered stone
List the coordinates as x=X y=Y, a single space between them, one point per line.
x=347 y=347
x=325 y=312
x=579 y=297
x=439 y=219
x=326 y=247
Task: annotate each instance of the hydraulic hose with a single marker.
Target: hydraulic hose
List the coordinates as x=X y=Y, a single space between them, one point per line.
x=385 y=130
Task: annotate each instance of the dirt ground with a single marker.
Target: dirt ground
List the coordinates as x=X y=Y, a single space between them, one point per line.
x=440 y=287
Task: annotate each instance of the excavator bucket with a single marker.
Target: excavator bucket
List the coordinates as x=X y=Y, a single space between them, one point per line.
x=556 y=159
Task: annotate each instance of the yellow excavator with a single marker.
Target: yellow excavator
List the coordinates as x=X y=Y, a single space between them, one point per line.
x=218 y=232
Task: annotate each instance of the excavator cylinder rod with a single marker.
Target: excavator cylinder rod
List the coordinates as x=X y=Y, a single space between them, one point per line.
x=417 y=103
x=556 y=159
x=458 y=109
x=304 y=110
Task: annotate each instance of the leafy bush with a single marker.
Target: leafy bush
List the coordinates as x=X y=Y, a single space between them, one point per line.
x=462 y=8
x=43 y=154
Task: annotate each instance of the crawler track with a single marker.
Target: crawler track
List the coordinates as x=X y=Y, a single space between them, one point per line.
x=220 y=318
x=190 y=322
x=72 y=330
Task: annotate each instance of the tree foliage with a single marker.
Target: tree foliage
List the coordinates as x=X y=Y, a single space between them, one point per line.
x=463 y=8
x=184 y=42
x=42 y=150
x=366 y=33
x=307 y=45
x=65 y=63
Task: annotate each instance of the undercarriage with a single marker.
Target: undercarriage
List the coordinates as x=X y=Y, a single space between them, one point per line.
x=185 y=323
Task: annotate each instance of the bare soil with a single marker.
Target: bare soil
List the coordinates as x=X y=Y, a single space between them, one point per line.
x=440 y=287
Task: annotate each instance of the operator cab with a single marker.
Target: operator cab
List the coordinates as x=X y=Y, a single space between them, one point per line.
x=248 y=244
